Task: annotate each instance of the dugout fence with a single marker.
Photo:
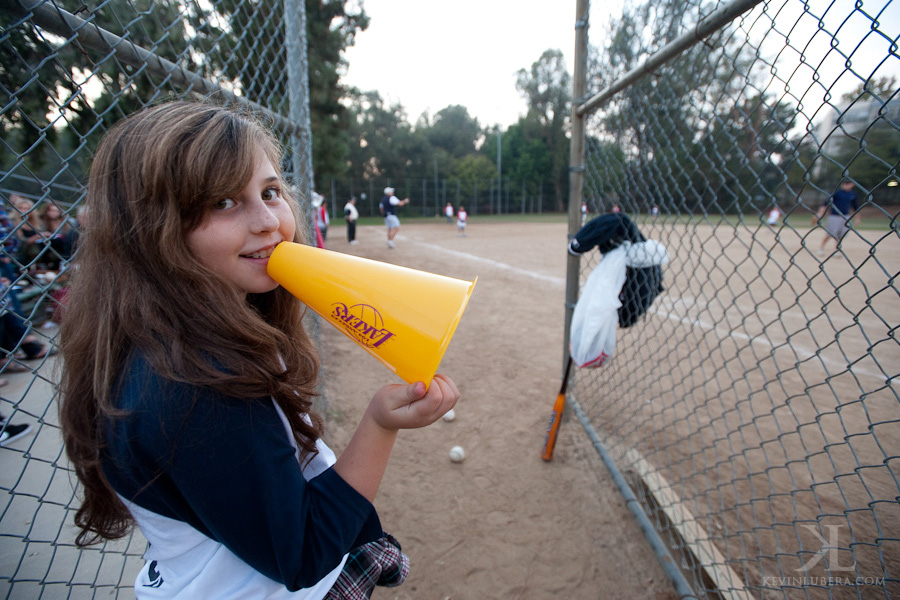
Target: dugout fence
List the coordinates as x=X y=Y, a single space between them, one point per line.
x=752 y=413
x=68 y=72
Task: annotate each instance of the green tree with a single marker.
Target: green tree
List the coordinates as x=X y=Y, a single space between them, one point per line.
x=453 y=130
x=238 y=44
x=331 y=28
x=547 y=89
x=474 y=167
x=385 y=144
x=869 y=150
x=528 y=158
x=23 y=51
x=46 y=76
x=696 y=135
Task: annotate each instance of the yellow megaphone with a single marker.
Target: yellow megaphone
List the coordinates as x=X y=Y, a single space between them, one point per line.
x=403 y=317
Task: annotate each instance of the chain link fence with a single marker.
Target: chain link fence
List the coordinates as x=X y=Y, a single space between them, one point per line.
x=428 y=196
x=68 y=71
x=753 y=410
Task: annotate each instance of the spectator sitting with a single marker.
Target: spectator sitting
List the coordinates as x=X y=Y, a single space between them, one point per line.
x=75 y=230
x=58 y=226
x=15 y=337
x=31 y=230
x=8 y=253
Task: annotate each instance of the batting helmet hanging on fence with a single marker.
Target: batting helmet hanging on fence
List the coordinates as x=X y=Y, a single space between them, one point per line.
x=643 y=279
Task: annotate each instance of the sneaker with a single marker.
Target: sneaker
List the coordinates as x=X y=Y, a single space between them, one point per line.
x=13 y=433
x=354 y=242
x=391 y=244
x=820 y=253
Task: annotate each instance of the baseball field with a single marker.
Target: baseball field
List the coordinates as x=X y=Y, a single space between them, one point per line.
x=503 y=523
x=759 y=382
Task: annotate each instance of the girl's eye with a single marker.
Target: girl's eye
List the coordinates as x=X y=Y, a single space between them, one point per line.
x=224 y=204
x=270 y=194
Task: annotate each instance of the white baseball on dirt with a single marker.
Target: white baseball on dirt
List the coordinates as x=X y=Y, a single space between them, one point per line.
x=457 y=454
x=449 y=415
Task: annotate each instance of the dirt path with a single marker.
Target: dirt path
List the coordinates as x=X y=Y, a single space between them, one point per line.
x=504 y=523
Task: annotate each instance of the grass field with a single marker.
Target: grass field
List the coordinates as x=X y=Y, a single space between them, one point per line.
x=753 y=222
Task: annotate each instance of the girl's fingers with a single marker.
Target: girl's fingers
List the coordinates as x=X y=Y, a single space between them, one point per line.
x=448 y=386
x=410 y=406
x=443 y=393
x=415 y=391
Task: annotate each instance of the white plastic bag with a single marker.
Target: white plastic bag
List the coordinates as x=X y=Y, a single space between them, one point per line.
x=592 y=338
x=645 y=254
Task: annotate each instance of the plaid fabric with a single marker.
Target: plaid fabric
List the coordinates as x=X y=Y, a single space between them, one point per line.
x=377 y=563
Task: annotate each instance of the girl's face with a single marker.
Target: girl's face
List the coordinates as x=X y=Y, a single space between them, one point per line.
x=52 y=212
x=239 y=234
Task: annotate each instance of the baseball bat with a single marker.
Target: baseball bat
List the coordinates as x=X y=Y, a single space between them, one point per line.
x=556 y=416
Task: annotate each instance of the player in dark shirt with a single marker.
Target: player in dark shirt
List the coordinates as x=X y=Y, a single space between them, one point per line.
x=841 y=207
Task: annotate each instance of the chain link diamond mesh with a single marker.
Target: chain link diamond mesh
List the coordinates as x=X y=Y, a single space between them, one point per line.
x=754 y=407
x=67 y=72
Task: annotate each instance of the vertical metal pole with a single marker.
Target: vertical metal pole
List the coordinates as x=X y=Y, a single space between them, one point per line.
x=333 y=198
x=298 y=96
x=576 y=165
x=523 y=197
x=491 y=199
x=508 y=209
x=499 y=169
x=295 y=49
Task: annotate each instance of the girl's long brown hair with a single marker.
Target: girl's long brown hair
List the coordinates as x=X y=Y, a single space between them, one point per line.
x=137 y=287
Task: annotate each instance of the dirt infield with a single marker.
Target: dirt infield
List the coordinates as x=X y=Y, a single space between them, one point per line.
x=759 y=384
x=504 y=523
x=764 y=392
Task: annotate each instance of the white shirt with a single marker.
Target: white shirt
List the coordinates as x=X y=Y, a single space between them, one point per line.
x=199 y=567
x=354 y=214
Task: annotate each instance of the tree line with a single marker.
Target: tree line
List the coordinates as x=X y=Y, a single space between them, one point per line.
x=713 y=132
x=53 y=120
x=712 y=136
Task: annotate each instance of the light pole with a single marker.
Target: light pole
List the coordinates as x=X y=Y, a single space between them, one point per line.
x=499 y=172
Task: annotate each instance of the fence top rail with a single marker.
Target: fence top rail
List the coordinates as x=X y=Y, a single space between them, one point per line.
x=63 y=23
x=718 y=19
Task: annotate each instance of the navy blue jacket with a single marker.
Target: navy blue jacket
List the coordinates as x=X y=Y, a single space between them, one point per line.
x=226 y=467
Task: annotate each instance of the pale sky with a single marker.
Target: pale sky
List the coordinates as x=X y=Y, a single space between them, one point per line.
x=430 y=55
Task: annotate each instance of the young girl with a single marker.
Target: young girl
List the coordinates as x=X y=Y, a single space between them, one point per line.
x=188 y=377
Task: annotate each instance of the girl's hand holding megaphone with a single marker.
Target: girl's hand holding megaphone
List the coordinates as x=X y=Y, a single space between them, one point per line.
x=393 y=407
x=410 y=406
